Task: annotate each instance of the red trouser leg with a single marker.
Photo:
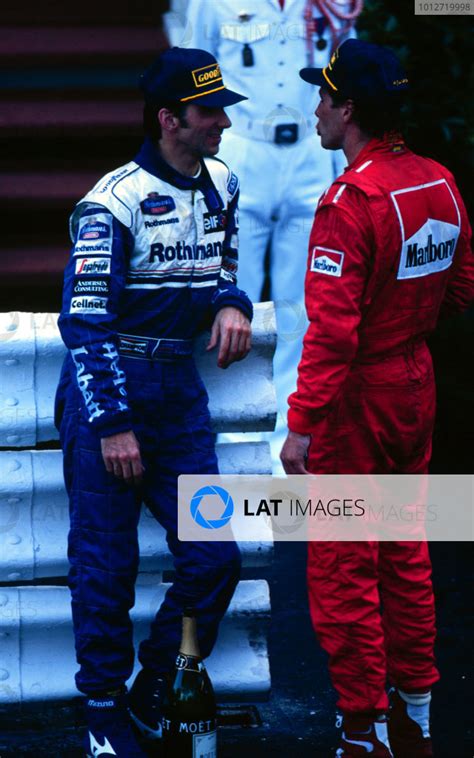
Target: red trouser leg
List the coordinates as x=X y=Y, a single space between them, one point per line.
x=382 y=423
x=344 y=582
x=344 y=605
x=408 y=614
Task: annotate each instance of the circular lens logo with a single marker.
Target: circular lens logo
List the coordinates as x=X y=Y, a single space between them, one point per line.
x=214 y=492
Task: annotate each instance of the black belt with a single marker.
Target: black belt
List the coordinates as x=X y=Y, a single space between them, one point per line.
x=153 y=348
x=286 y=134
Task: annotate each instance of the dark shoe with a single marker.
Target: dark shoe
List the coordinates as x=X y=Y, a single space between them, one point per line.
x=146 y=699
x=409 y=728
x=372 y=741
x=109 y=729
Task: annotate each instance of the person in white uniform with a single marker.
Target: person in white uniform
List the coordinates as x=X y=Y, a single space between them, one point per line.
x=273 y=146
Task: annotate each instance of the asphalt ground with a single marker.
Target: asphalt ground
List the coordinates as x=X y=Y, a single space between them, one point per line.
x=298 y=718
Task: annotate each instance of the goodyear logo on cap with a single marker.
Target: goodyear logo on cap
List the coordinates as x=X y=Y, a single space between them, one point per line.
x=207 y=75
x=399 y=82
x=334 y=57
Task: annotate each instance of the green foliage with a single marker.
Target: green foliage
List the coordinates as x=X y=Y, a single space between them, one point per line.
x=437 y=53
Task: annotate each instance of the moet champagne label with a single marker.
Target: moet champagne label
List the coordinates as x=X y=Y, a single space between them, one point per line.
x=204 y=745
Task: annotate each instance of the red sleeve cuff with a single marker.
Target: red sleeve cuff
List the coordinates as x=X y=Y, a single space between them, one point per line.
x=304 y=423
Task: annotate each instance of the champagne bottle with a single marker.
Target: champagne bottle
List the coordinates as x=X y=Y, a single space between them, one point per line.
x=189 y=708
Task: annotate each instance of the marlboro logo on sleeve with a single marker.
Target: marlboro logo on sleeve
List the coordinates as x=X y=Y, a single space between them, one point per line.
x=327 y=261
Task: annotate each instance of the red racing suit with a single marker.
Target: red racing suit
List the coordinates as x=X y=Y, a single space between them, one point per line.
x=389 y=249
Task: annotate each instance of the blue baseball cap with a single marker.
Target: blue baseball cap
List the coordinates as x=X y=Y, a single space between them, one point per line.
x=186 y=75
x=360 y=70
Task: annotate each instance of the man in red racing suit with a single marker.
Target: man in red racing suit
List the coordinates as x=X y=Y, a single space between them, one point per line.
x=389 y=249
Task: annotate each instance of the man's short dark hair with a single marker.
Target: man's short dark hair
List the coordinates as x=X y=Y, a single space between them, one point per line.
x=151 y=125
x=373 y=117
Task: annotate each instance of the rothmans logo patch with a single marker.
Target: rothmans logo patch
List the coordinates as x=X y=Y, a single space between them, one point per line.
x=94 y=229
x=156 y=204
x=430 y=224
x=207 y=75
x=327 y=261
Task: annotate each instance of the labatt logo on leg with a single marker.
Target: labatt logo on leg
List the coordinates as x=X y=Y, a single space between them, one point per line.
x=327 y=261
x=430 y=224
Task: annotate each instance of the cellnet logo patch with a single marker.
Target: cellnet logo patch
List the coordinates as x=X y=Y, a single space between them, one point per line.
x=88 y=305
x=211 y=497
x=327 y=261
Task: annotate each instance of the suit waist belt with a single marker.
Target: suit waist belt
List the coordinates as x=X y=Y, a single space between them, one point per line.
x=153 y=348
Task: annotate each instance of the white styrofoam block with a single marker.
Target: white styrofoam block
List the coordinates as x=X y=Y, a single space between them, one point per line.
x=17 y=383
x=49 y=356
x=10 y=675
x=34 y=514
x=241 y=398
x=44 y=644
x=16 y=499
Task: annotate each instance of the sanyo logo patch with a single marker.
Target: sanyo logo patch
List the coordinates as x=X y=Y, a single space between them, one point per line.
x=327 y=261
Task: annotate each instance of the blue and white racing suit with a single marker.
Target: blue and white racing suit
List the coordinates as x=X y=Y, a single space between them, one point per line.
x=154 y=259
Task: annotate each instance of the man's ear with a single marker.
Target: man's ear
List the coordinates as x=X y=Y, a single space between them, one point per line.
x=348 y=111
x=169 y=121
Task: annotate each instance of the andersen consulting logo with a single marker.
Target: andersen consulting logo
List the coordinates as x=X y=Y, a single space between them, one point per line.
x=222 y=497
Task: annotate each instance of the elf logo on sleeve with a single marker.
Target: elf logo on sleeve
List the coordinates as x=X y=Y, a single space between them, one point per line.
x=327 y=261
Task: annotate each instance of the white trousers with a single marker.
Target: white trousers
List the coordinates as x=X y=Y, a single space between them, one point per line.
x=280 y=186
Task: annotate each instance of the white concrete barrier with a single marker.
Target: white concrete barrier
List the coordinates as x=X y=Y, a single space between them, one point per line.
x=37 y=659
x=31 y=354
x=34 y=514
x=36 y=635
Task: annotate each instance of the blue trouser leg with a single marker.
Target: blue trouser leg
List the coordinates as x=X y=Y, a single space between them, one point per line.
x=206 y=572
x=205 y=579
x=103 y=553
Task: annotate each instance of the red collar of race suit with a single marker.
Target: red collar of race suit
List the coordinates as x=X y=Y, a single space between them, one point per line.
x=392 y=143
